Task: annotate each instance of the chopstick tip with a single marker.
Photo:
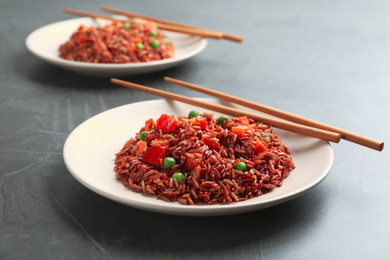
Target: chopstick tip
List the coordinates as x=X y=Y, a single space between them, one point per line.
x=381 y=146
x=114 y=80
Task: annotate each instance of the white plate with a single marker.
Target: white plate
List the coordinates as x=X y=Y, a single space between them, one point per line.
x=44 y=43
x=89 y=155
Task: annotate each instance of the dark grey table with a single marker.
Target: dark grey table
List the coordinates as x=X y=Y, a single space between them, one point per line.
x=326 y=60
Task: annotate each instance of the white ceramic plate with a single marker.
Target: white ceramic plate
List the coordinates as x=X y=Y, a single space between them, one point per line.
x=89 y=155
x=44 y=43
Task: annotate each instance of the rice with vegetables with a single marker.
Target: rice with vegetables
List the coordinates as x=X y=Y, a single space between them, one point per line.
x=118 y=42
x=203 y=159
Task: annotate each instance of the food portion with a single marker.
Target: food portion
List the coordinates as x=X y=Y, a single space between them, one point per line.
x=118 y=42
x=202 y=159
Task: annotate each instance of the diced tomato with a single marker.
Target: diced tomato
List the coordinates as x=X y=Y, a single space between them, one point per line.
x=141 y=147
x=240 y=131
x=166 y=123
x=199 y=121
x=154 y=154
x=259 y=147
x=212 y=143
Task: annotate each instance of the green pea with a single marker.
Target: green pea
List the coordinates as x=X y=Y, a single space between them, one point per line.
x=178 y=176
x=153 y=33
x=154 y=43
x=267 y=137
x=169 y=162
x=139 y=46
x=221 y=119
x=118 y=41
x=241 y=166
x=166 y=40
x=193 y=113
x=126 y=26
x=142 y=135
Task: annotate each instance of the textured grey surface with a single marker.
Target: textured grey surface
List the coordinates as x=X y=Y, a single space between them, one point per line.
x=327 y=60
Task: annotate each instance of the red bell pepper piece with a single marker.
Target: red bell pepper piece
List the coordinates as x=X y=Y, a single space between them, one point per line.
x=199 y=121
x=211 y=143
x=244 y=120
x=166 y=123
x=259 y=147
x=240 y=131
x=154 y=154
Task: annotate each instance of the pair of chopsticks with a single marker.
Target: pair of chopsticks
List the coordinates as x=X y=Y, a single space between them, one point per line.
x=286 y=121
x=160 y=23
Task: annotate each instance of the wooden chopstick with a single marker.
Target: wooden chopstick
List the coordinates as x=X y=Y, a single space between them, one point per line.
x=276 y=122
x=92 y=15
x=163 y=22
x=347 y=135
x=191 y=31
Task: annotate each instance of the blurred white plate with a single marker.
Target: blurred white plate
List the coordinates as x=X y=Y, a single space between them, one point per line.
x=45 y=41
x=89 y=155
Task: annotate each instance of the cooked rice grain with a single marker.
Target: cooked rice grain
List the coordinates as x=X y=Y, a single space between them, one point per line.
x=209 y=174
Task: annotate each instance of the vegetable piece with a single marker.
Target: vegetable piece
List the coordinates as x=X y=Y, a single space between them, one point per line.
x=199 y=121
x=153 y=33
x=166 y=40
x=267 y=137
x=149 y=124
x=212 y=143
x=154 y=43
x=147 y=29
x=142 y=135
x=140 y=46
x=154 y=154
x=126 y=26
x=241 y=131
x=169 y=162
x=162 y=143
x=178 y=176
x=141 y=145
x=166 y=123
x=244 y=120
x=193 y=113
x=241 y=166
x=82 y=38
x=252 y=126
x=221 y=119
x=259 y=147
